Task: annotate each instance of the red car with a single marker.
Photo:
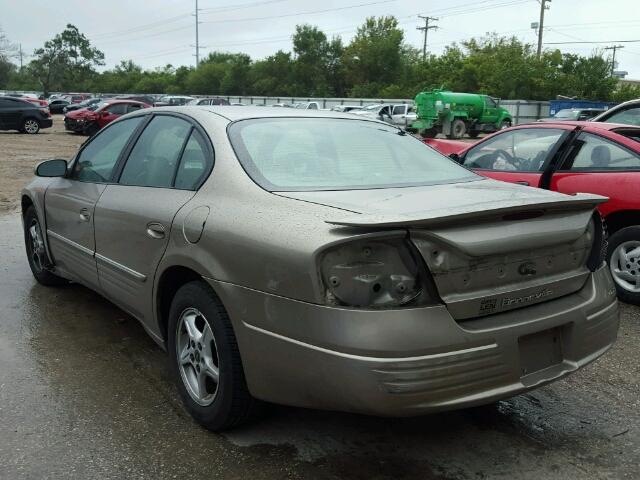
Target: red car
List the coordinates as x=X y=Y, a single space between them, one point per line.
x=571 y=157
x=89 y=120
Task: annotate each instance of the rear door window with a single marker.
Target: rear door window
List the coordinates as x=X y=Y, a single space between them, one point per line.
x=154 y=158
x=595 y=153
x=630 y=116
x=195 y=164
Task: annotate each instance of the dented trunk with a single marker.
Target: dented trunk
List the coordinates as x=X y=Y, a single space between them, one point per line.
x=506 y=255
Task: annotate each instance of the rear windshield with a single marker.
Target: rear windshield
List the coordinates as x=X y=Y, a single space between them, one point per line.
x=292 y=154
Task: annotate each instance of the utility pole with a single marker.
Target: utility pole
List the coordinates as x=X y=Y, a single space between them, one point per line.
x=20 y=55
x=426 y=29
x=613 y=56
x=543 y=7
x=197 y=37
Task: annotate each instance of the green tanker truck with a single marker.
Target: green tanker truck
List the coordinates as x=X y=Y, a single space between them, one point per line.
x=454 y=114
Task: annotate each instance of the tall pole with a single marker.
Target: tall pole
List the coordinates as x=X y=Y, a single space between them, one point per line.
x=197 y=38
x=613 y=56
x=425 y=30
x=20 y=53
x=543 y=7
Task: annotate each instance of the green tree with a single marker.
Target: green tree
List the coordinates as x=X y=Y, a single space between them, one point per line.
x=273 y=75
x=66 y=62
x=374 y=57
x=7 y=68
x=311 y=51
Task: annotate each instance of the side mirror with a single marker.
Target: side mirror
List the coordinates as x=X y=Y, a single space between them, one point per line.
x=51 y=168
x=455 y=157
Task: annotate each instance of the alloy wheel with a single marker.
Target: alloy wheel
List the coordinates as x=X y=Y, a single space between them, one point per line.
x=31 y=126
x=625 y=265
x=197 y=357
x=37 y=251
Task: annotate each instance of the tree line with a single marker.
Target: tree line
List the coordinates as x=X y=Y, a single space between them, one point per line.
x=377 y=63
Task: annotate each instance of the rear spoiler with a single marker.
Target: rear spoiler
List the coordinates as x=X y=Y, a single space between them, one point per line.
x=442 y=216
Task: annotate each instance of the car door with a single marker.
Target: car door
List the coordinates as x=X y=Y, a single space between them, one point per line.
x=70 y=201
x=133 y=218
x=12 y=113
x=595 y=164
x=110 y=113
x=399 y=115
x=4 y=106
x=520 y=155
x=490 y=114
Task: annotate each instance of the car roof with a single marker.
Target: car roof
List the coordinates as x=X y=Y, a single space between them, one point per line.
x=121 y=100
x=582 y=123
x=233 y=113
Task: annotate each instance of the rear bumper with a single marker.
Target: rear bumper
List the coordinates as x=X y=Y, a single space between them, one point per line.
x=413 y=361
x=46 y=123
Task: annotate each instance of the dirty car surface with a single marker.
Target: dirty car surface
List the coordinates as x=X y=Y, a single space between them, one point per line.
x=321 y=260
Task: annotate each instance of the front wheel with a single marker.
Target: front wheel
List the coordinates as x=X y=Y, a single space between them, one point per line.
x=205 y=360
x=505 y=124
x=458 y=129
x=623 y=256
x=36 y=253
x=30 y=126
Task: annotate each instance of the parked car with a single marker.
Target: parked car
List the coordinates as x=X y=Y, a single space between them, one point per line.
x=30 y=97
x=326 y=261
x=346 y=108
x=22 y=115
x=209 y=101
x=77 y=97
x=173 y=100
x=148 y=99
x=283 y=105
x=627 y=113
x=59 y=105
x=572 y=157
x=573 y=114
x=85 y=104
x=88 y=121
x=307 y=105
x=396 y=114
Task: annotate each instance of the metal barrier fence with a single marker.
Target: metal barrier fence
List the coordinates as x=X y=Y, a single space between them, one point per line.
x=522 y=111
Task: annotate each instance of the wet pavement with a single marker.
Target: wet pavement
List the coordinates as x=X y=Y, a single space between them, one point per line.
x=85 y=393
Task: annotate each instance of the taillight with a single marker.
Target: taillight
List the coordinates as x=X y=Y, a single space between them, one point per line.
x=596 y=231
x=46 y=112
x=376 y=273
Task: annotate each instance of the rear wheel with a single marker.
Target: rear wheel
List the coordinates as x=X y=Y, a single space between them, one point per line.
x=36 y=253
x=30 y=126
x=623 y=256
x=458 y=129
x=205 y=360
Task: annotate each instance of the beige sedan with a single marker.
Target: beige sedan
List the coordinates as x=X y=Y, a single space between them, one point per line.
x=321 y=260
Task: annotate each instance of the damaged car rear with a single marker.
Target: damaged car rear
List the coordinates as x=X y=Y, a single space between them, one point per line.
x=332 y=262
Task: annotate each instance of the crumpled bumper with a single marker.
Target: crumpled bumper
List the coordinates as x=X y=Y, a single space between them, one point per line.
x=414 y=361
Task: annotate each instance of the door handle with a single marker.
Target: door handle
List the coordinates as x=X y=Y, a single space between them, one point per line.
x=155 y=230
x=523 y=182
x=85 y=216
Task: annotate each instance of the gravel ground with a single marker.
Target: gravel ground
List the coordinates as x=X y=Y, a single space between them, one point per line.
x=84 y=393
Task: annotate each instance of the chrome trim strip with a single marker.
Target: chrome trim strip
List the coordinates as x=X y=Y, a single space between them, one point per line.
x=137 y=275
x=71 y=243
x=434 y=356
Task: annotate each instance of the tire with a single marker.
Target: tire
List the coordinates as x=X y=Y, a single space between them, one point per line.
x=429 y=133
x=505 y=124
x=458 y=129
x=228 y=403
x=474 y=134
x=625 y=268
x=91 y=130
x=30 y=126
x=36 y=254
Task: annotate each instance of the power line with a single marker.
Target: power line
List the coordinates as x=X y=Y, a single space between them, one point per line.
x=425 y=30
x=379 y=2
x=592 y=42
x=230 y=8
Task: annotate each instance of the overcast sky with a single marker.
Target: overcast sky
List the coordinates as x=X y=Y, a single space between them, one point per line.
x=157 y=32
